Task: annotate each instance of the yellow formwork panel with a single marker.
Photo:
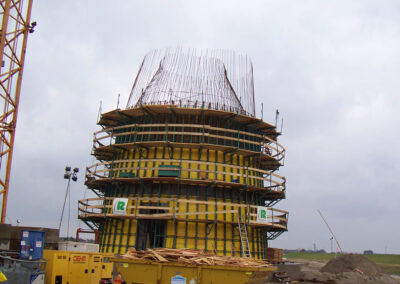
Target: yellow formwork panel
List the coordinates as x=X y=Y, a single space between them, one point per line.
x=220 y=164
x=77 y=267
x=138 y=271
x=220 y=238
x=124 y=238
x=199 y=170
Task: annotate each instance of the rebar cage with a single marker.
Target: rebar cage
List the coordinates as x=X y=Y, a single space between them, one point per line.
x=213 y=79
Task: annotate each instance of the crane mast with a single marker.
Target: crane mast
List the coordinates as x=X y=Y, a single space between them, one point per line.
x=15 y=26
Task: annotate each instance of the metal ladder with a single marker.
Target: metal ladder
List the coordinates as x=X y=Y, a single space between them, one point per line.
x=244 y=240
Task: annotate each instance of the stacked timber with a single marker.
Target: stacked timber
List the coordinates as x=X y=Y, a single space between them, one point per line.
x=274 y=255
x=191 y=256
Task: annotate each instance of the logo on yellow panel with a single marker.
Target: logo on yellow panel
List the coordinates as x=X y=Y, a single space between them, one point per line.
x=262 y=214
x=119 y=206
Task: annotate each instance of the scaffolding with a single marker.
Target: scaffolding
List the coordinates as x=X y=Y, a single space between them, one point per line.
x=186 y=176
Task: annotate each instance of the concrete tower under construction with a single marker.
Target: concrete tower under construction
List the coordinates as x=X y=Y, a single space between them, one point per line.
x=187 y=164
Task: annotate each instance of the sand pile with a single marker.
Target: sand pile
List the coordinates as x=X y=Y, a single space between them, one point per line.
x=349 y=263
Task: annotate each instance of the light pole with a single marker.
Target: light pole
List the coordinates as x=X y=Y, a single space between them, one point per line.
x=68 y=175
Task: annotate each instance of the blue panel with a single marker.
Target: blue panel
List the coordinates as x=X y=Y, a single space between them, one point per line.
x=32 y=243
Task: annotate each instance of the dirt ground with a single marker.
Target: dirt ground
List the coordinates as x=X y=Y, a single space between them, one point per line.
x=347 y=270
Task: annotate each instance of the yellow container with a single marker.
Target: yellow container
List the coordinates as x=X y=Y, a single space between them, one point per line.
x=147 y=272
x=77 y=267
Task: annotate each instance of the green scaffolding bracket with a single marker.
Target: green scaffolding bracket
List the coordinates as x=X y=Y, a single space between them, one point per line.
x=173 y=112
x=146 y=111
x=89 y=225
x=124 y=117
x=210 y=227
x=170 y=149
x=232 y=152
x=231 y=117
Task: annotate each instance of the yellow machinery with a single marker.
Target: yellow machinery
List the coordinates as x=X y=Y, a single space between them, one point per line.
x=144 y=272
x=77 y=267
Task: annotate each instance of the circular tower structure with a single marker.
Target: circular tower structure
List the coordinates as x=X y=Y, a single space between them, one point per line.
x=187 y=164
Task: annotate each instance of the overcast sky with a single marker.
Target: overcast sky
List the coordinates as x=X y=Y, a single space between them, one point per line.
x=331 y=68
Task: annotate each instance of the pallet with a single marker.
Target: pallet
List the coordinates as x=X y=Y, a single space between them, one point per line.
x=191 y=256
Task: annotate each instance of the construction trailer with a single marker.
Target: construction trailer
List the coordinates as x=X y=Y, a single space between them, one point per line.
x=187 y=164
x=24 y=265
x=10 y=237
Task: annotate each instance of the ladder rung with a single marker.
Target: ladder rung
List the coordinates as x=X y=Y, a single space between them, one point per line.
x=244 y=238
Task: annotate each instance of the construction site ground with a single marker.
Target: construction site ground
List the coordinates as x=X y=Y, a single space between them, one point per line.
x=389 y=263
x=343 y=270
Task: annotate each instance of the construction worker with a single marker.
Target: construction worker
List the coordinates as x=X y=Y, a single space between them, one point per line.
x=119 y=280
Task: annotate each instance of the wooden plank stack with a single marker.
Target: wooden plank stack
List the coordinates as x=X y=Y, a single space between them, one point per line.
x=275 y=255
x=191 y=256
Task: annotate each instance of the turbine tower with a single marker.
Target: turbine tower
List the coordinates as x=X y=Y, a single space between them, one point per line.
x=187 y=164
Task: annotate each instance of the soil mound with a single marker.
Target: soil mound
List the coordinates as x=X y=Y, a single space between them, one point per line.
x=351 y=262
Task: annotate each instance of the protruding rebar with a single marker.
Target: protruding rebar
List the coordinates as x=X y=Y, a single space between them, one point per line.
x=212 y=79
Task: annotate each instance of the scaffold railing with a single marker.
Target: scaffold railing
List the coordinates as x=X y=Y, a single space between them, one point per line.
x=189 y=134
x=216 y=172
x=175 y=209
